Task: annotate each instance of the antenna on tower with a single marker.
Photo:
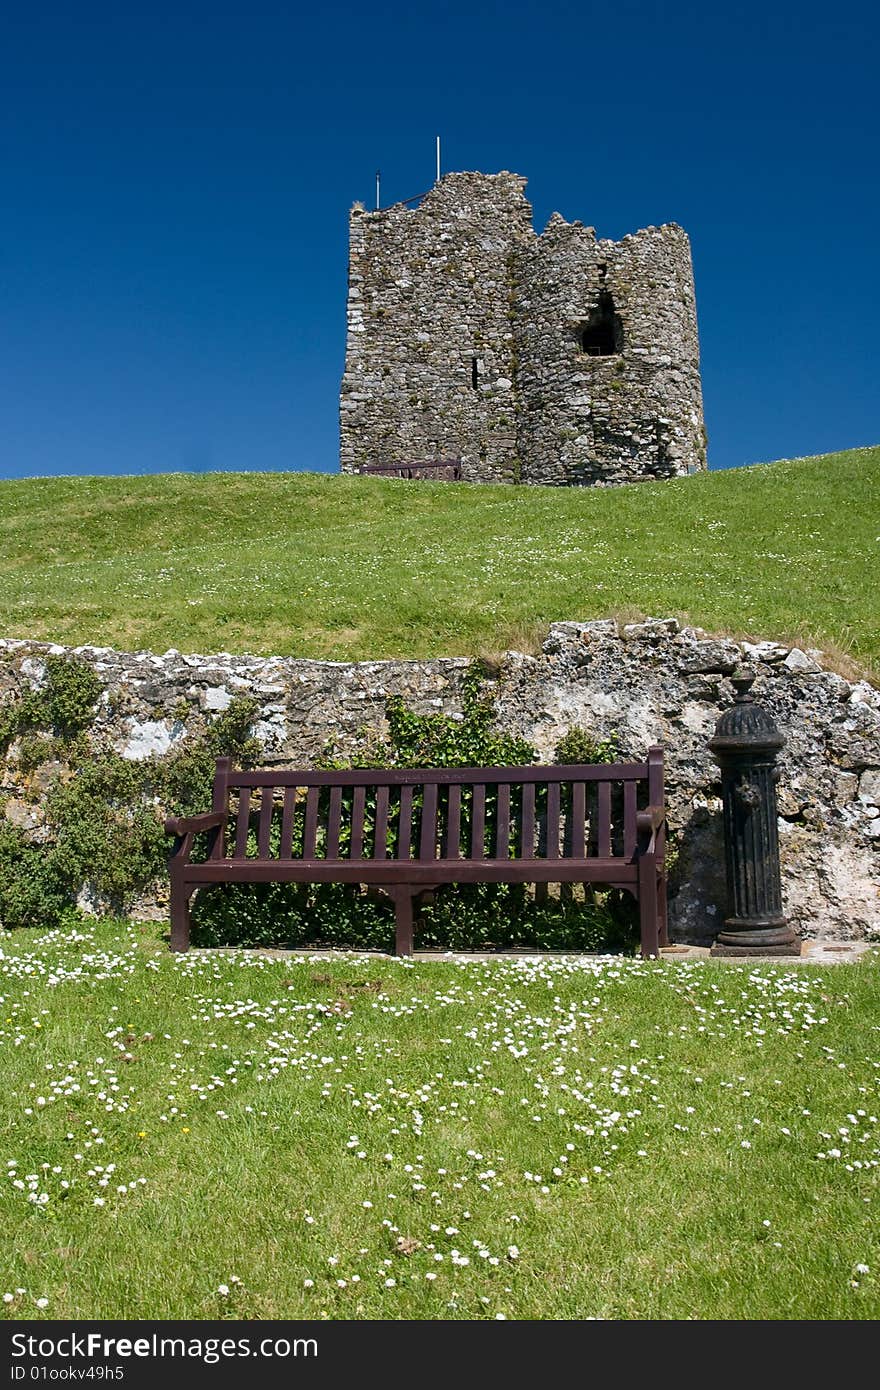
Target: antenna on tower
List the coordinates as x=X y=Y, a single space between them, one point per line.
x=438 y=158
x=377 y=189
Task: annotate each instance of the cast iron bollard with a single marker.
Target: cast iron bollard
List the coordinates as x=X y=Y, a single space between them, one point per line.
x=745 y=745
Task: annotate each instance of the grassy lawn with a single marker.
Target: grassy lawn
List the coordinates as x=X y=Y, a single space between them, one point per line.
x=325 y=566
x=370 y=1138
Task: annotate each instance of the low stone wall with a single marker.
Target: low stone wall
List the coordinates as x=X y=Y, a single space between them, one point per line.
x=643 y=683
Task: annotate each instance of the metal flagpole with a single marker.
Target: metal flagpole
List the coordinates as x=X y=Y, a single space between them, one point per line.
x=377 y=190
x=438 y=158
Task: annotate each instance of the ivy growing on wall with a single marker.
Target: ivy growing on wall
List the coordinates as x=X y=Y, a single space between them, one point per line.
x=102 y=825
x=441 y=740
x=55 y=714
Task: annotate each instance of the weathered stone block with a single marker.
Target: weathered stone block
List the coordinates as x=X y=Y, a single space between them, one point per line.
x=765 y=651
x=869 y=786
x=800 y=662
x=706 y=657
x=651 y=628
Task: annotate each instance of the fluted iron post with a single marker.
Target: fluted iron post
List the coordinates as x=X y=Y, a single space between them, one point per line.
x=746 y=744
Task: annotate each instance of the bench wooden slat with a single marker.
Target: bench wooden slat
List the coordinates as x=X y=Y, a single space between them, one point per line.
x=443 y=777
x=310 y=826
x=613 y=870
x=380 y=847
x=578 y=820
x=428 y=838
x=242 y=823
x=502 y=822
x=629 y=819
x=267 y=806
x=404 y=831
x=220 y=804
x=527 y=824
x=452 y=847
x=478 y=822
x=358 y=806
x=541 y=888
x=334 y=823
x=603 y=816
x=285 y=849
x=553 y=821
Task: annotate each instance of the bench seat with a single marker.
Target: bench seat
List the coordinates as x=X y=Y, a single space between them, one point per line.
x=608 y=871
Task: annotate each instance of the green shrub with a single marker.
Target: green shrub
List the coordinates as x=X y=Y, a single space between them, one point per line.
x=107 y=831
x=291 y=915
x=502 y=916
x=103 y=831
x=103 y=823
x=581 y=746
x=185 y=778
x=32 y=890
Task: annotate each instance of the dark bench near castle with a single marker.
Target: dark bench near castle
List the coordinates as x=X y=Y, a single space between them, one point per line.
x=437 y=470
x=406 y=832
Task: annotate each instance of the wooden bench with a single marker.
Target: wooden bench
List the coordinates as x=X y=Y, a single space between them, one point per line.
x=438 y=470
x=406 y=832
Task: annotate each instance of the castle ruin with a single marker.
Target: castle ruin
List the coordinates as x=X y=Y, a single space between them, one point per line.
x=479 y=349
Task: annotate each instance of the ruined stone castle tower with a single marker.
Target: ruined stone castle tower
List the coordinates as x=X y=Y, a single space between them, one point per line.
x=516 y=357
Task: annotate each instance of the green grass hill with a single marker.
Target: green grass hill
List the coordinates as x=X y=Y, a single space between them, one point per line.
x=318 y=565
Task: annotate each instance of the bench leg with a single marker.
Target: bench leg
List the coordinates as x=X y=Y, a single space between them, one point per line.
x=403 y=921
x=649 y=916
x=661 y=910
x=180 y=896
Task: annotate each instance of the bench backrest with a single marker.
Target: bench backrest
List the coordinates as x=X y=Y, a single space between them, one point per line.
x=570 y=811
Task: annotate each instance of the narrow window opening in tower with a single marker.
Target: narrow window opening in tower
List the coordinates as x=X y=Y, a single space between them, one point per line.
x=475 y=373
x=601 y=335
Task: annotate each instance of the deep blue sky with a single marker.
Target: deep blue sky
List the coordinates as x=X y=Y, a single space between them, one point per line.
x=175 y=183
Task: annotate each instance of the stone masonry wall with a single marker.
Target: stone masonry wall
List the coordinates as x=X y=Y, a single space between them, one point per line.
x=644 y=683
x=465 y=340
x=618 y=418
x=429 y=368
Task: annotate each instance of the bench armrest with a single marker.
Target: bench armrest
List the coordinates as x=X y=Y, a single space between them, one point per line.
x=186 y=828
x=193 y=825
x=648 y=822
